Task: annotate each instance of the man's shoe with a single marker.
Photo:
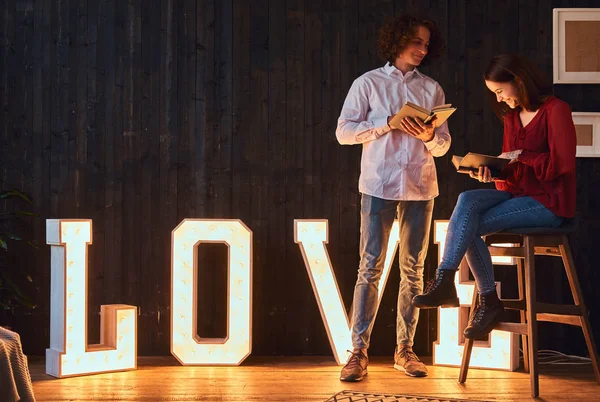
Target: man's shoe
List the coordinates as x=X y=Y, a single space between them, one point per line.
x=356 y=367
x=485 y=316
x=440 y=292
x=406 y=360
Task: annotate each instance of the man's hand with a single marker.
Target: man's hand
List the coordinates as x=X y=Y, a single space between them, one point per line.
x=483 y=175
x=418 y=129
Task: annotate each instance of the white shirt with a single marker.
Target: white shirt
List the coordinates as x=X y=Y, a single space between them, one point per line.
x=394 y=164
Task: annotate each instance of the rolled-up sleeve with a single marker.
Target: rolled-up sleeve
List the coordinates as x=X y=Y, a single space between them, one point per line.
x=440 y=144
x=352 y=126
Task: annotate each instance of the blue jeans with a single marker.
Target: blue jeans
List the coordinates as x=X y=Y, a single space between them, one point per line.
x=376 y=220
x=483 y=212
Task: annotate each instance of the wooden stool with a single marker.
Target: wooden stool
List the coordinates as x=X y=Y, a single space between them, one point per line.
x=531 y=242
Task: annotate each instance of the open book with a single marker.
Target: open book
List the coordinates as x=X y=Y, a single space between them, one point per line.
x=415 y=111
x=472 y=161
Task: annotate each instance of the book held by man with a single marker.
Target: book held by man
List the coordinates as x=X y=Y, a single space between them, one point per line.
x=442 y=112
x=472 y=161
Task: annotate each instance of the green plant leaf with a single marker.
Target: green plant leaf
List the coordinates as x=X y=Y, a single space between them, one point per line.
x=27 y=213
x=3 y=244
x=10 y=284
x=24 y=301
x=14 y=193
x=9 y=236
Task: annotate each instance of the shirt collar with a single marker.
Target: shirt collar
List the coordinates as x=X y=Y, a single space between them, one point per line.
x=389 y=68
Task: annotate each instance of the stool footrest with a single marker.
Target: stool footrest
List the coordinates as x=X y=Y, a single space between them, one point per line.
x=557 y=309
x=519 y=252
x=547 y=250
x=512 y=327
x=559 y=318
x=514 y=304
x=499 y=251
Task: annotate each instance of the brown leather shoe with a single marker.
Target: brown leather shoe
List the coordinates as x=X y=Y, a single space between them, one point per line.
x=406 y=360
x=356 y=367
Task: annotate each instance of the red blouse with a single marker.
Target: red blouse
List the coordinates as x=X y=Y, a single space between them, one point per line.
x=545 y=169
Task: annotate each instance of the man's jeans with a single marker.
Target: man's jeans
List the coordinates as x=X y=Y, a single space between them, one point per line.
x=377 y=217
x=483 y=212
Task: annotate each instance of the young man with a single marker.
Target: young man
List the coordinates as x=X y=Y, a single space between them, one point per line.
x=397 y=176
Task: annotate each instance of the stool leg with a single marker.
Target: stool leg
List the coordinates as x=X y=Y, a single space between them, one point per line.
x=567 y=258
x=531 y=314
x=464 y=366
x=520 y=279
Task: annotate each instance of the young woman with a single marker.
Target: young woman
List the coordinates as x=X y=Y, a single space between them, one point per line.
x=536 y=190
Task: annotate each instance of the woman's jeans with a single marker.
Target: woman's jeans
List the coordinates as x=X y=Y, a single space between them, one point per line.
x=377 y=217
x=483 y=212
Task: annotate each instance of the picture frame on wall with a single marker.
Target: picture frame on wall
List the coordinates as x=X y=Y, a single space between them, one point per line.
x=576 y=49
x=587 y=126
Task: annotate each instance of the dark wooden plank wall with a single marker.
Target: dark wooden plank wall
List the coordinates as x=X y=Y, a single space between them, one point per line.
x=137 y=114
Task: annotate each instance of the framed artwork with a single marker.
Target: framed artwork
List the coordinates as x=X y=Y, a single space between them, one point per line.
x=587 y=126
x=576 y=50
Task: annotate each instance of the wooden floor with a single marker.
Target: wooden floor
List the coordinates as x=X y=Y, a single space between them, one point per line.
x=303 y=379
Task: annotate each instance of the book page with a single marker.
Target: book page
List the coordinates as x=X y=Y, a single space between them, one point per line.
x=510 y=155
x=441 y=116
x=419 y=108
x=408 y=110
x=446 y=106
x=456 y=161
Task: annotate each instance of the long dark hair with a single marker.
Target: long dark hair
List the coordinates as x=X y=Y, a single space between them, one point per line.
x=532 y=86
x=396 y=33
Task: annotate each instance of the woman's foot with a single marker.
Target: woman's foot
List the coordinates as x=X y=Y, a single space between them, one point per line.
x=485 y=316
x=439 y=293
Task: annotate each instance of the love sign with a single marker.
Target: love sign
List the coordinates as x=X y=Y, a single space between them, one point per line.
x=69 y=354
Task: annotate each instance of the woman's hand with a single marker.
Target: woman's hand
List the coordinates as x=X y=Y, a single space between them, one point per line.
x=418 y=129
x=484 y=175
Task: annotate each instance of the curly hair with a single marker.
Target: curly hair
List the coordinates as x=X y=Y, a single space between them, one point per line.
x=397 y=33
